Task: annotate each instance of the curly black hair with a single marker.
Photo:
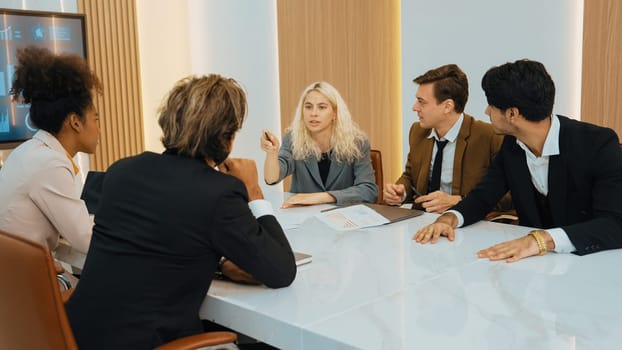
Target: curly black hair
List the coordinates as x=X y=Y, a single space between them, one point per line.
x=524 y=84
x=54 y=85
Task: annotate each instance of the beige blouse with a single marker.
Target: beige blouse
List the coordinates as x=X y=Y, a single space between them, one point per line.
x=39 y=195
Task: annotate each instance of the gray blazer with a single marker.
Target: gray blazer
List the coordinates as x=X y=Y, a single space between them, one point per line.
x=347 y=182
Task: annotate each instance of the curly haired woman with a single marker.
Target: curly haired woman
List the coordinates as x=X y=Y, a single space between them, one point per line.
x=38 y=183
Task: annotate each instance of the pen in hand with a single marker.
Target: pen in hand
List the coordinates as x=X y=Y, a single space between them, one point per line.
x=267 y=137
x=415 y=192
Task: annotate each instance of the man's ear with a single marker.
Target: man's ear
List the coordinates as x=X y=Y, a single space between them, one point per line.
x=449 y=105
x=512 y=113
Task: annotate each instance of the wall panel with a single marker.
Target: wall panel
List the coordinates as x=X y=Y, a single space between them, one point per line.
x=601 y=100
x=355 y=46
x=112 y=51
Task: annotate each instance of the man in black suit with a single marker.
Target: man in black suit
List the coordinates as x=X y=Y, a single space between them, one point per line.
x=166 y=221
x=565 y=176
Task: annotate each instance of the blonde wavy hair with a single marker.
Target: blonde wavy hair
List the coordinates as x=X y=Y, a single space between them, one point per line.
x=346 y=135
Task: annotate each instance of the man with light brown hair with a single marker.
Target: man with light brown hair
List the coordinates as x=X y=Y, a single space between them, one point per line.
x=167 y=222
x=437 y=180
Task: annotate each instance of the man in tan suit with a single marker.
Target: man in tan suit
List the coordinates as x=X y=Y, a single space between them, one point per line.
x=467 y=145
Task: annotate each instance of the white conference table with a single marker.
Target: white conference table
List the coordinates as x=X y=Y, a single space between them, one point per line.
x=375 y=288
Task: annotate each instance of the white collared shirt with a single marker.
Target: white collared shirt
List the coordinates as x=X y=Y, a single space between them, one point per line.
x=449 y=152
x=40 y=195
x=539 y=166
x=539 y=170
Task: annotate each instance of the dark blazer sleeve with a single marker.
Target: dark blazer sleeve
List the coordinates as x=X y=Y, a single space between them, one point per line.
x=489 y=190
x=602 y=228
x=257 y=245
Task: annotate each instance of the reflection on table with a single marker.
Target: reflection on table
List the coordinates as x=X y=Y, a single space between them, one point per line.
x=375 y=288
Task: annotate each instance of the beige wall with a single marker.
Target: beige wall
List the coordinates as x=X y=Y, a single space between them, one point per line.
x=139 y=48
x=164 y=57
x=355 y=46
x=317 y=41
x=601 y=98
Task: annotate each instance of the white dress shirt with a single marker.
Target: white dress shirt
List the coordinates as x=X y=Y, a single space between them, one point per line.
x=539 y=170
x=447 y=168
x=40 y=198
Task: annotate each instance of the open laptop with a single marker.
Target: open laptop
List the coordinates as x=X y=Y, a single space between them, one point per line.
x=393 y=213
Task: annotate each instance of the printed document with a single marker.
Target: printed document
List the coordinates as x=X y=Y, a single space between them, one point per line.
x=352 y=217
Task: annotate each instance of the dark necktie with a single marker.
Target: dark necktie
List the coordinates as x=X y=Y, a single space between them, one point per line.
x=435 y=180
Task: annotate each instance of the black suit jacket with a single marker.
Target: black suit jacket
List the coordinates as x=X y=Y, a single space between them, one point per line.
x=585 y=187
x=163 y=223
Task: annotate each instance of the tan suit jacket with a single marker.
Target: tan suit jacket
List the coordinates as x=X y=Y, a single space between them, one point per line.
x=476 y=147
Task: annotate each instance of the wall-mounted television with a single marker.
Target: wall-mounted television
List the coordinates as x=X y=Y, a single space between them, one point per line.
x=59 y=32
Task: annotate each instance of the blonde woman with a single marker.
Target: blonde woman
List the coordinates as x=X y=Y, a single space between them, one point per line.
x=324 y=150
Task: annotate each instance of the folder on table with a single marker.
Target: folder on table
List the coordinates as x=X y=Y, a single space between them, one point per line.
x=393 y=213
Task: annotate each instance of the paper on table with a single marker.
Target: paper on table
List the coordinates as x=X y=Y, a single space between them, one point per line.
x=352 y=218
x=290 y=220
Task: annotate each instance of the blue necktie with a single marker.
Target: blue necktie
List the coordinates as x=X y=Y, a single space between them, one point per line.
x=435 y=180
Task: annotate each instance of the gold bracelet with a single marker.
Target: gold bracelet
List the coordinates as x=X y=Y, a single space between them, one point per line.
x=537 y=235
